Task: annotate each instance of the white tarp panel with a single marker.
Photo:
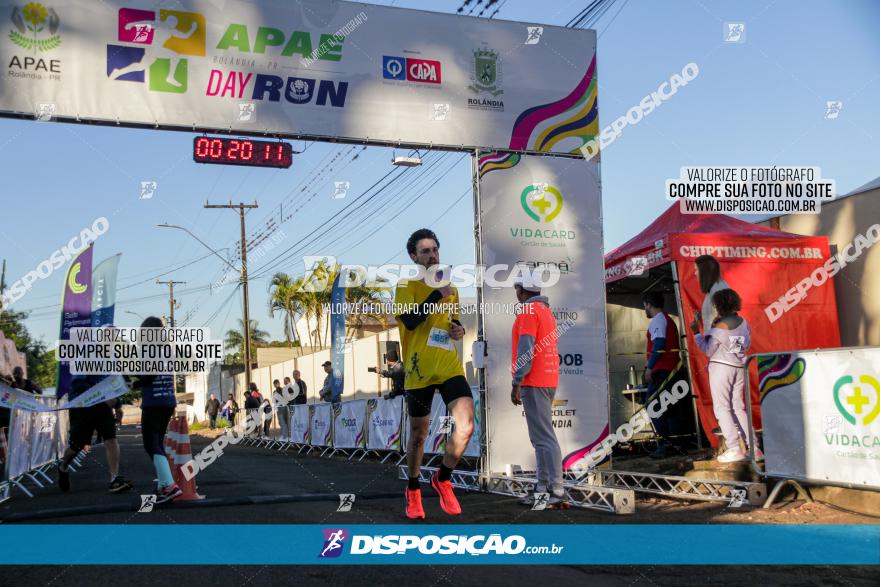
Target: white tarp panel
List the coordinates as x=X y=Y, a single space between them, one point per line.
x=546 y=211
x=821 y=415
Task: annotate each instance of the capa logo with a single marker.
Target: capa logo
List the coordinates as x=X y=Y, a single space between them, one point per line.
x=154 y=46
x=411 y=69
x=858 y=403
x=541 y=201
x=334 y=539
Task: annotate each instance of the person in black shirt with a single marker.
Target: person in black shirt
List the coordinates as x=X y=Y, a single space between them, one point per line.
x=396 y=373
x=21 y=382
x=303 y=388
x=212 y=408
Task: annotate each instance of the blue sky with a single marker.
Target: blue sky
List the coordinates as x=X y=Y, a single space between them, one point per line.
x=761 y=102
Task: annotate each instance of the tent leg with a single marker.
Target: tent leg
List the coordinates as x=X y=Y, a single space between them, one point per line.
x=697 y=425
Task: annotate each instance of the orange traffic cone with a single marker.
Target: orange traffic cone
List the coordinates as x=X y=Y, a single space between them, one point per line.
x=179 y=452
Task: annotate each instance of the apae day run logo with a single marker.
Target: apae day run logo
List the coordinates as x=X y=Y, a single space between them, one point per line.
x=36 y=27
x=542 y=203
x=486 y=79
x=153 y=47
x=857 y=405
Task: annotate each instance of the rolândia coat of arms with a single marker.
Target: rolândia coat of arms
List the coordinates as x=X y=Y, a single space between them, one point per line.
x=36 y=27
x=487 y=73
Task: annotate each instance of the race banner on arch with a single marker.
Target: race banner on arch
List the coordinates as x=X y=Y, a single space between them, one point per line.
x=314 y=68
x=545 y=212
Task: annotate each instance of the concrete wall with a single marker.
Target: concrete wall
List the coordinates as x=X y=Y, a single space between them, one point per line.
x=857 y=286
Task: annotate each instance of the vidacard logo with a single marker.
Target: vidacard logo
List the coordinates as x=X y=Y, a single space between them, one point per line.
x=153 y=47
x=541 y=201
x=862 y=402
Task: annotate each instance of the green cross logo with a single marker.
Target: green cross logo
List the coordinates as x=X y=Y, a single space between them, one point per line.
x=857 y=400
x=542 y=202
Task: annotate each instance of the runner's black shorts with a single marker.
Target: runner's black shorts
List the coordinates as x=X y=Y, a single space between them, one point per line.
x=85 y=421
x=418 y=401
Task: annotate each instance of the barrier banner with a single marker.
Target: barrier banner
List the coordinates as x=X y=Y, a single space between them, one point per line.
x=300 y=417
x=385 y=418
x=44 y=430
x=18 y=445
x=473 y=447
x=330 y=69
x=438 y=427
x=821 y=415
x=546 y=212
x=322 y=424
x=108 y=388
x=349 y=424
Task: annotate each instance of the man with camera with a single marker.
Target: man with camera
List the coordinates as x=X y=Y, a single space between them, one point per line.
x=395 y=373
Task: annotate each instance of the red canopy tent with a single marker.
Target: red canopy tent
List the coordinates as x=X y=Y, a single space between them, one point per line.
x=759 y=262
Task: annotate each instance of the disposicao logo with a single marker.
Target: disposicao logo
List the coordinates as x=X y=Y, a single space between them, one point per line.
x=154 y=46
x=857 y=400
x=542 y=202
x=334 y=540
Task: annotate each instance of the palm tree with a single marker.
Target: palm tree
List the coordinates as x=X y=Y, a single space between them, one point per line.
x=235 y=338
x=315 y=289
x=377 y=292
x=283 y=297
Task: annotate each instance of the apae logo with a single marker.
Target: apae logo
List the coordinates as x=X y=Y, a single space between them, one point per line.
x=35 y=30
x=857 y=404
x=155 y=46
x=36 y=27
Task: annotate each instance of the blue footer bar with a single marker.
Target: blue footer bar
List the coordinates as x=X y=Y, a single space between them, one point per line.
x=179 y=544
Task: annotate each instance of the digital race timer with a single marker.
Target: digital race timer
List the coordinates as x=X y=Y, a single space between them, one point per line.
x=229 y=151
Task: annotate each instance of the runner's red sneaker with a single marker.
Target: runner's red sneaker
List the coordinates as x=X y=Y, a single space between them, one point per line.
x=448 y=501
x=414 y=509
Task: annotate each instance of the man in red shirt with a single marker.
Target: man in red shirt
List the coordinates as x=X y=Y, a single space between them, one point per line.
x=662 y=360
x=535 y=370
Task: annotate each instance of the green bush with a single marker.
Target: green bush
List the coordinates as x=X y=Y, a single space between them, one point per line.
x=222 y=423
x=197 y=426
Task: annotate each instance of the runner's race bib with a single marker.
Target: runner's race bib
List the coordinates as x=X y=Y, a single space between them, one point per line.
x=439 y=338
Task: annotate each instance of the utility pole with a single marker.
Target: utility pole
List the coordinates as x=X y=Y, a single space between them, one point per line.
x=244 y=283
x=171 y=302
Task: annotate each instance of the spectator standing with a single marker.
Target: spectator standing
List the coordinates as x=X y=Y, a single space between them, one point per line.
x=212 y=409
x=301 y=397
x=726 y=344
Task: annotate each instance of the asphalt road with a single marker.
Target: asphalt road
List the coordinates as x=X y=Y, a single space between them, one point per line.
x=258 y=486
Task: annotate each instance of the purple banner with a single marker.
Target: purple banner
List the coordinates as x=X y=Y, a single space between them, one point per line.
x=76 y=308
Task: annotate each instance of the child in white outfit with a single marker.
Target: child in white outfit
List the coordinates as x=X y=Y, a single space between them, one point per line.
x=726 y=344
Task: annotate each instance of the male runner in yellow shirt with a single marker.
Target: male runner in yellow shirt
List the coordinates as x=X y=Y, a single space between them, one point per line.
x=431 y=363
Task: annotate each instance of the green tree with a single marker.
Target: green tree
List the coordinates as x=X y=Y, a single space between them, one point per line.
x=283 y=297
x=235 y=338
x=40 y=361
